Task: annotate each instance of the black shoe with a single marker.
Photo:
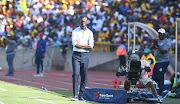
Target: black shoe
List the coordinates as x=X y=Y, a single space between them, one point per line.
x=81 y=99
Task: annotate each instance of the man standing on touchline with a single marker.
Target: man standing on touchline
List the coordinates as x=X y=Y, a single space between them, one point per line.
x=82 y=41
x=161 y=54
x=10 y=53
x=40 y=55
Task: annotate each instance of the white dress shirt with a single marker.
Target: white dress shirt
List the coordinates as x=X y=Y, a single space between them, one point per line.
x=85 y=37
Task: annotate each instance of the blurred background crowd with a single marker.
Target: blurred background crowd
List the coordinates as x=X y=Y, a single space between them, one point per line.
x=23 y=20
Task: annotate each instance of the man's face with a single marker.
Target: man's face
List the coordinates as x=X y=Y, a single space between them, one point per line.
x=161 y=36
x=146 y=54
x=41 y=36
x=83 y=22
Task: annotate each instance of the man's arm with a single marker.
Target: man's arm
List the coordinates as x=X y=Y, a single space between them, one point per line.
x=7 y=40
x=164 y=48
x=44 y=50
x=152 y=47
x=155 y=42
x=86 y=46
x=161 y=49
x=83 y=46
x=156 y=45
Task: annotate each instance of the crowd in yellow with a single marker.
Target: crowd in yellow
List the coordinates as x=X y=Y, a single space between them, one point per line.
x=108 y=19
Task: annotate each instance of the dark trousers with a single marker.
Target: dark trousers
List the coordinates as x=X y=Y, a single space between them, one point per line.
x=39 y=62
x=80 y=62
x=158 y=74
x=10 y=58
x=122 y=60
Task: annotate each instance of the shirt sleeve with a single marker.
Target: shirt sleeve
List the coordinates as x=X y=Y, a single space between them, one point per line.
x=91 y=40
x=167 y=45
x=12 y=42
x=74 y=41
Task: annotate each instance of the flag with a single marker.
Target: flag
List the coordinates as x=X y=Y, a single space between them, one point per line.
x=23 y=6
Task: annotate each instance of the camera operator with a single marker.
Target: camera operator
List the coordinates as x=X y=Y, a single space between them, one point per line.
x=144 y=79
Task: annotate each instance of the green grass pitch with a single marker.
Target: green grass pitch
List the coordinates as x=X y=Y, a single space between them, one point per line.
x=18 y=94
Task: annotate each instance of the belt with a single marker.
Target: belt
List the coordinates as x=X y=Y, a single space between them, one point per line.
x=9 y=51
x=79 y=52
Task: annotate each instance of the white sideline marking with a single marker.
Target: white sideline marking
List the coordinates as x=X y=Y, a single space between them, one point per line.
x=40 y=84
x=58 y=81
x=41 y=100
x=71 y=83
x=1 y=102
x=2 y=89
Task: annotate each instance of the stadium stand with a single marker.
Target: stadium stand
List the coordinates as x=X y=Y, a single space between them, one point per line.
x=24 y=19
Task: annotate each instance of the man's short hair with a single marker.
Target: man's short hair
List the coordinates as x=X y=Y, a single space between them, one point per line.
x=83 y=16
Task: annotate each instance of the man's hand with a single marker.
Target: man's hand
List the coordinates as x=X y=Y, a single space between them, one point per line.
x=148 y=69
x=155 y=41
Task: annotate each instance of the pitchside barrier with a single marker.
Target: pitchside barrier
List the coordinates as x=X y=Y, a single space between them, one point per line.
x=25 y=58
x=104 y=95
x=54 y=60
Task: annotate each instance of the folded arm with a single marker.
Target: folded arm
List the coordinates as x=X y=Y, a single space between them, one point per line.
x=156 y=45
x=83 y=46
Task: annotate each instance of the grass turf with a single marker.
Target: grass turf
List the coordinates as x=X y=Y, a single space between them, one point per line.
x=17 y=94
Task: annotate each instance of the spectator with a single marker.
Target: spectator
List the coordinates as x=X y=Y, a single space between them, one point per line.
x=136 y=11
x=50 y=14
x=123 y=9
x=65 y=39
x=129 y=12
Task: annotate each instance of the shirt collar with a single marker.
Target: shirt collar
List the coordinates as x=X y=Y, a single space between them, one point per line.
x=85 y=29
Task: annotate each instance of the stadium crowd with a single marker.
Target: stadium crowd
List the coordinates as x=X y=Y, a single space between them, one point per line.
x=106 y=18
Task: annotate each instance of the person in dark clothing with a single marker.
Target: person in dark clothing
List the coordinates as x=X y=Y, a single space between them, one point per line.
x=10 y=53
x=179 y=53
x=161 y=48
x=40 y=54
x=121 y=52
